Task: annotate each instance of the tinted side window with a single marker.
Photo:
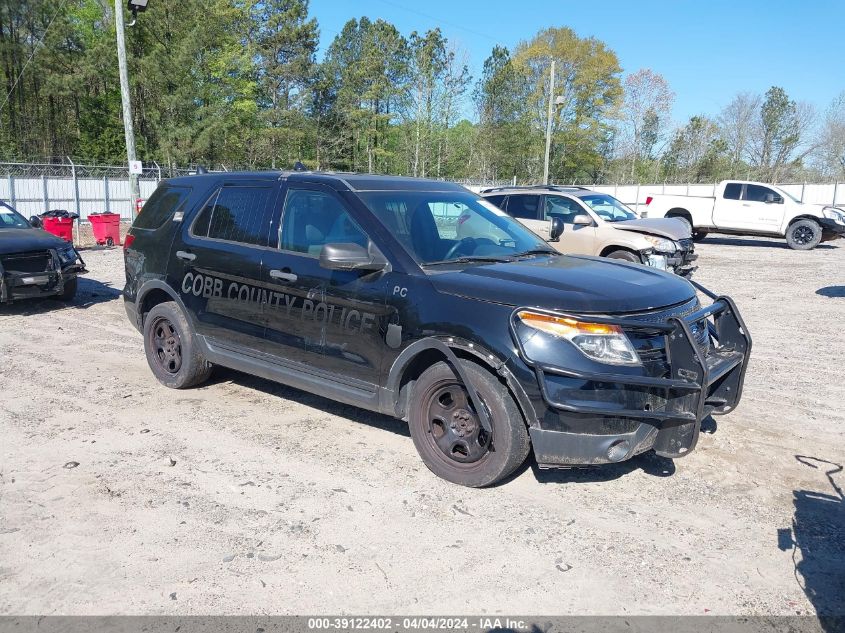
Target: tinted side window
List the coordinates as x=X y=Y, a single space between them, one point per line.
x=235 y=214
x=524 y=207
x=756 y=193
x=312 y=219
x=732 y=191
x=499 y=201
x=161 y=206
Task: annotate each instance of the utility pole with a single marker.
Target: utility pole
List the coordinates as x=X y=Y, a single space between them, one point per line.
x=549 y=123
x=127 y=104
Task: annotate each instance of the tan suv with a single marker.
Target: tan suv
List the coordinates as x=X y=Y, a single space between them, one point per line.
x=598 y=224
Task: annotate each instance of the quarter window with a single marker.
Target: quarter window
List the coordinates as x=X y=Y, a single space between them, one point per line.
x=732 y=191
x=161 y=206
x=312 y=219
x=235 y=214
x=524 y=207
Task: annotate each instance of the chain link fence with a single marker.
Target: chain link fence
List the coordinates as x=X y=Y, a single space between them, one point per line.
x=34 y=188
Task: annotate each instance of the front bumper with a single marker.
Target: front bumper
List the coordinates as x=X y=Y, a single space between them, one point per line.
x=636 y=413
x=30 y=285
x=681 y=262
x=831 y=229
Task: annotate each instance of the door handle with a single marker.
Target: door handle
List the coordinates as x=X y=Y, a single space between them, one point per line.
x=746 y=204
x=188 y=257
x=283 y=276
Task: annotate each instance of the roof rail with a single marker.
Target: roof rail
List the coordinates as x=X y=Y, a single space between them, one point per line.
x=549 y=187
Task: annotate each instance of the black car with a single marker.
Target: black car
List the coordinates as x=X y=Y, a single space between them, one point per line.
x=356 y=287
x=34 y=263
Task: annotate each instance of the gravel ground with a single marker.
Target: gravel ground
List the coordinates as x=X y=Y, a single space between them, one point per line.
x=119 y=496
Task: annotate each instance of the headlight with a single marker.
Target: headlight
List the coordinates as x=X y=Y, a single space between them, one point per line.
x=832 y=213
x=67 y=254
x=598 y=341
x=661 y=244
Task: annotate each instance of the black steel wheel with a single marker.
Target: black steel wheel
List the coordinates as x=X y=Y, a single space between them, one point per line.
x=804 y=234
x=167 y=345
x=171 y=350
x=448 y=433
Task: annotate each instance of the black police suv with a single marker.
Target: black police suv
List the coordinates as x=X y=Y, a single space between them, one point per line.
x=34 y=263
x=356 y=287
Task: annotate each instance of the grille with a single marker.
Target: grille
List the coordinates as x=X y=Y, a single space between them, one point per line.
x=698 y=328
x=686 y=245
x=35 y=262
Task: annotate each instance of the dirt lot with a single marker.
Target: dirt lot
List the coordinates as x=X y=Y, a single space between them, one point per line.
x=244 y=496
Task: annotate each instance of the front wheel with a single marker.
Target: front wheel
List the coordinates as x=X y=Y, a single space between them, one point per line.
x=624 y=255
x=804 y=235
x=698 y=236
x=171 y=350
x=69 y=291
x=447 y=431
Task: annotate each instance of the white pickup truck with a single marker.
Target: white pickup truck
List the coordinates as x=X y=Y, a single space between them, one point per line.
x=752 y=208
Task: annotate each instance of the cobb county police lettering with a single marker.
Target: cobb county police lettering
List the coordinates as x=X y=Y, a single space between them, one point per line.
x=206 y=286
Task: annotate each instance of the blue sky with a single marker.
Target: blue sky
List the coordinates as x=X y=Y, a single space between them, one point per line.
x=707 y=50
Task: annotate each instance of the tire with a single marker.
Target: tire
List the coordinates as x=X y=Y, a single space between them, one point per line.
x=624 y=255
x=803 y=235
x=171 y=350
x=698 y=236
x=439 y=403
x=69 y=291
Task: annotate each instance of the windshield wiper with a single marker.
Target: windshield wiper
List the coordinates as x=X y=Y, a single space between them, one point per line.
x=537 y=251
x=470 y=259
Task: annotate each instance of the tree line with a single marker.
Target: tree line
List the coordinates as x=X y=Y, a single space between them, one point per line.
x=238 y=83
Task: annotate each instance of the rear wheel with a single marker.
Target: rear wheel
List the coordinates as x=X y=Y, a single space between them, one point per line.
x=804 y=235
x=627 y=256
x=171 y=350
x=447 y=430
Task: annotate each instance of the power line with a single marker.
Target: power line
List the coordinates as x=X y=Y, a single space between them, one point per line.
x=436 y=19
x=34 y=50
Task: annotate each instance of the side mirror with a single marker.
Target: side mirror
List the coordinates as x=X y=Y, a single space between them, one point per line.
x=36 y=222
x=348 y=256
x=582 y=220
x=555 y=228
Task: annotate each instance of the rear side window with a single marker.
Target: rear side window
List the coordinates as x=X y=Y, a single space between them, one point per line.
x=161 y=206
x=732 y=191
x=499 y=201
x=235 y=214
x=524 y=207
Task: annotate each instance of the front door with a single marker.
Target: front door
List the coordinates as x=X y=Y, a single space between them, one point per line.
x=576 y=239
x=332 y=322
x=217 y=261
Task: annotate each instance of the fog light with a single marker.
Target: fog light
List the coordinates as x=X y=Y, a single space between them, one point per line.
x=618 y=450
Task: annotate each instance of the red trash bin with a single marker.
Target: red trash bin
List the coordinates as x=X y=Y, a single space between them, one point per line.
x=106 y=228
x=62 y=227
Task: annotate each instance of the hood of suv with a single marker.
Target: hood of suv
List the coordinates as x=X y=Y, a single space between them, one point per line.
x=663 y=227
x=571 y=284
x=23 y=240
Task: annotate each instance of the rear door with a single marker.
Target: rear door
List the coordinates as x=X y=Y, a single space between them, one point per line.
x=217 y=262
x=730 y=211
x=332 y=322
x=526 y=208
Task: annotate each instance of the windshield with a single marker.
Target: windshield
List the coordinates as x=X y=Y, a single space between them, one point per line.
x=608 y=207
x=448 y=226
x=11 y=219
x=787 y=195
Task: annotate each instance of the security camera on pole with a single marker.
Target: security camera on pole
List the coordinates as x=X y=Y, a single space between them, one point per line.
x=134 y=6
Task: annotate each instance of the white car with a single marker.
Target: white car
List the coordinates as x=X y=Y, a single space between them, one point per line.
x=752 y=208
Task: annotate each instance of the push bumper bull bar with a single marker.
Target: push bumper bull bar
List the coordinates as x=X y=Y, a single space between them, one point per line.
x=700 y=382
